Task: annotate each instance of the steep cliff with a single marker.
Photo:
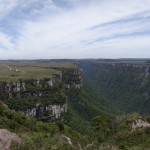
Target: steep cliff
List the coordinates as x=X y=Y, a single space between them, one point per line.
x=125 y=85
x=45 y=98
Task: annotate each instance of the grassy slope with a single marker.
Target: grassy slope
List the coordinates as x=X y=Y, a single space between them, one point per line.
x=31 y=69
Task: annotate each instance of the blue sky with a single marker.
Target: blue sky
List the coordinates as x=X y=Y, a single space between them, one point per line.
x=32 y=29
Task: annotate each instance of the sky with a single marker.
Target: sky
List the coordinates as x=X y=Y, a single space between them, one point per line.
x=55 y=29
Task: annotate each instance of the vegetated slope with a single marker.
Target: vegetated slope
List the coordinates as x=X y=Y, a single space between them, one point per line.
x=126 y=132
x=82 y=103
x=39 y=135
x=125 y=86
x=109 y=132
x=83 y=106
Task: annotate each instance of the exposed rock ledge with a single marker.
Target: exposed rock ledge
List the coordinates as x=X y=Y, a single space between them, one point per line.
x=140 y=124
x=6 y=138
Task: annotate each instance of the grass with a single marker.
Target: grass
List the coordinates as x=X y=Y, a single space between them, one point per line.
x=12 y=71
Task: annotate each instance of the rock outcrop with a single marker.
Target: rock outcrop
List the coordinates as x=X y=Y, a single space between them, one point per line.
x=6 y=138
x=51 y=112
x=140 y=124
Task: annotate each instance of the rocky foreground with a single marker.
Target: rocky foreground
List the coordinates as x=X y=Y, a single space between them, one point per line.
x=6 y=138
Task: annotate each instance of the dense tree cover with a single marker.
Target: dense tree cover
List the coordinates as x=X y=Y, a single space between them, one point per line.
x=124 y=86
x=118 y=131
x=84 y=104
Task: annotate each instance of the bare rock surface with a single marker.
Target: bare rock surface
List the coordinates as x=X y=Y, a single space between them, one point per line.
x=6 y=138
x=140 y=124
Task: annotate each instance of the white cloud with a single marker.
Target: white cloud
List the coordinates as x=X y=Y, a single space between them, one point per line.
x=60 y=33
x=5 y=42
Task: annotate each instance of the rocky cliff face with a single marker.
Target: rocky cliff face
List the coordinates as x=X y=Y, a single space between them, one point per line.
x=43 y=98
x=72 y=79
x=48 y=112
x=143 y=68
x=14 y=87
